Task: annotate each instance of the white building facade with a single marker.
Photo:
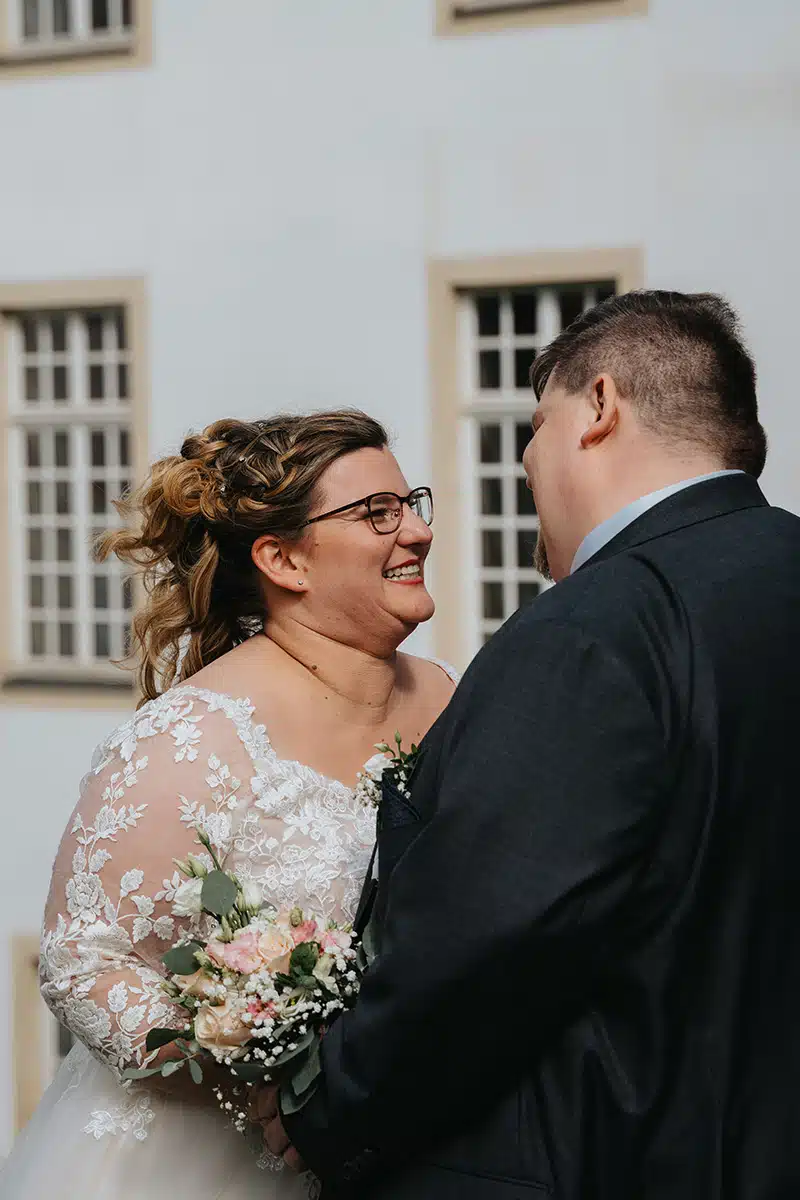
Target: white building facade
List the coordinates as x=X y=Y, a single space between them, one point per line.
x=234 y=208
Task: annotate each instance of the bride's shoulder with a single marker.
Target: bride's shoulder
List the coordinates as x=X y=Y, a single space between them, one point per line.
x=174 y=725
x=431 y=673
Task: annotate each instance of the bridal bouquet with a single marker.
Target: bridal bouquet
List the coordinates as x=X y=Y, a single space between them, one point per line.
x=258 y=992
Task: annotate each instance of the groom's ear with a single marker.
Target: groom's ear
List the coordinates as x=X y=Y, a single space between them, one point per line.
x=604 y=411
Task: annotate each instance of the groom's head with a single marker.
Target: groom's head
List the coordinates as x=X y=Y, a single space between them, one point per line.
x=642 y=391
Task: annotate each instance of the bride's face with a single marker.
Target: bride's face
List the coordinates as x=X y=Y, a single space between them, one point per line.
x=361 y=583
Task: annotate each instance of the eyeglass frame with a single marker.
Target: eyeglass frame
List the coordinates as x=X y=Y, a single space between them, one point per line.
x=403 y=500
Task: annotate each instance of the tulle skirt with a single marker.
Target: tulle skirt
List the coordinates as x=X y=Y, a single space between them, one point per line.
x=90 y=1139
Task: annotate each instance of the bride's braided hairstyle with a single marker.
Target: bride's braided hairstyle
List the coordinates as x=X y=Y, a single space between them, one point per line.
x=190 y=528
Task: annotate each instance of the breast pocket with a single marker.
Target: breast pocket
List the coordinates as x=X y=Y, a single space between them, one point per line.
x=396 y=810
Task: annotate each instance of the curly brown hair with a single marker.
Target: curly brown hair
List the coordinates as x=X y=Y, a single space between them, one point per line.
x=189 y=531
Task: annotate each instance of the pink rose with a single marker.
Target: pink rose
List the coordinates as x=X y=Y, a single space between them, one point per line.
x=304 y=933
x=241 y=955
x=334 y=940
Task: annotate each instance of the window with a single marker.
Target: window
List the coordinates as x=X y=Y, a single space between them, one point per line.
x=500 y=332
x=488 y=320
x=71 y=443
x=47 y=31
x=470 y=16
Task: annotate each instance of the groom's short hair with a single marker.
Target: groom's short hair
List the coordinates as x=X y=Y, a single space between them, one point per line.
x=680 y=360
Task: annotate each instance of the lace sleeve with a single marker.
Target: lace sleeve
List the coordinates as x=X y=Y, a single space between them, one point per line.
x=109 y=914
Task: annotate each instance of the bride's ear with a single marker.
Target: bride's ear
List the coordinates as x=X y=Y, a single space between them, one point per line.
x=280 y=562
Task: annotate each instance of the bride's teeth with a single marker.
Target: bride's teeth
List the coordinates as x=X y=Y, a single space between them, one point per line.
x=402 y=572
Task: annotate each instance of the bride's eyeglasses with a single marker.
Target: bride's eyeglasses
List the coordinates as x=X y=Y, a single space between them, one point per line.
x=385 y=509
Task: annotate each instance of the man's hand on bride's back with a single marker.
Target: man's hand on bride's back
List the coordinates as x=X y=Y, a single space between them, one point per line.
x=265 y=1112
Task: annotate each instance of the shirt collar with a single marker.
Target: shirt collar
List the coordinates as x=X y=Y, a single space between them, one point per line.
x=603 y=533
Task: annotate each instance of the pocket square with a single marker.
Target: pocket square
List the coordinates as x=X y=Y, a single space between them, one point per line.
x=396 y=810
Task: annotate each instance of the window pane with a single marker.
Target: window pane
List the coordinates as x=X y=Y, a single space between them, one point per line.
x=127 y=593
x=490 y=443
x=127 y=639
x=34 y=499
x=96 y=382
x=100 y=597
x=37 y=638
x=122 y=381
x=61 y=447
x=63 y=497
x=99 y=497
x=492 y=548
x=528 y=590
x=491 y=497
x=526 y=544
x=60 y=385
x=32 y=384
x=488 y=308
x=605 y=292
x=102 y=641
x=524 y=308
x=30 y=18
x=523 y=360
x=65 y=591
x=33 y=450
x=493 y=601
x=489 y=370
x=570 y=304
x=29 y=334
x=36 y=591
x=98 y=448
x=522 y=435
x=58 y=332
x=119 y=317
x=124 y=448
x=35 y=545
x=61 y=20
x=525 y=505
x=66 y=639
x=99 y=14
x=64 y=545
x=94 y=330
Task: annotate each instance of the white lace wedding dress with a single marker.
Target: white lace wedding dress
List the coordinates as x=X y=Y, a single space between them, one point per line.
x=190 y=756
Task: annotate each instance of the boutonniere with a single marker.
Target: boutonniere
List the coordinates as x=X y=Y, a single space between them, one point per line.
x=388 y=764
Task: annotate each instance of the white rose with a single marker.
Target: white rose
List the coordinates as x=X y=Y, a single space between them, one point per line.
x=188 y=901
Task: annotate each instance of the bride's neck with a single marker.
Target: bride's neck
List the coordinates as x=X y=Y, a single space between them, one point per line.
x=361 y=680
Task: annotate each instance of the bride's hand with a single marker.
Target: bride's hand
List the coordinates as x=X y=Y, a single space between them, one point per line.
x=265 y=1112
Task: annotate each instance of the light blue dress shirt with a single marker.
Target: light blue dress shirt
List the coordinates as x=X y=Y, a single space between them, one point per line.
x=607 y=530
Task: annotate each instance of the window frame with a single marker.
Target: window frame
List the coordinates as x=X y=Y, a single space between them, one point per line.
x=20 y=59
x=451 y=424
x=519 y=14
x=89 y=689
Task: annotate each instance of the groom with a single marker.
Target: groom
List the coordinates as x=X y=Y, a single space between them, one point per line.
x=589 y=978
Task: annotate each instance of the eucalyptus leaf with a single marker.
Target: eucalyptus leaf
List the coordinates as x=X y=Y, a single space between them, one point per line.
x=180 y=959
x=195 y=1070
x=169 y=1068
x=292 y=1101
x=308 y=981
x=301 y=1046
x=140 y=1072
x=156 y=1038
x=307 y=1071
x=219 y=893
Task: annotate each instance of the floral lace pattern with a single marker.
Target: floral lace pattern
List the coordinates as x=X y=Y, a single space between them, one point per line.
x=191 y=757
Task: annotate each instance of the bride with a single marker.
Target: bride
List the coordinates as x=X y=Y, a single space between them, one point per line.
x=284 y=564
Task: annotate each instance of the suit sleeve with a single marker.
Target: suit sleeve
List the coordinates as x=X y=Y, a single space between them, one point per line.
x=502 y=911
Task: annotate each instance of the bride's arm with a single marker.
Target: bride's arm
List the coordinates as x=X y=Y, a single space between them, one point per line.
x=109 y=916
